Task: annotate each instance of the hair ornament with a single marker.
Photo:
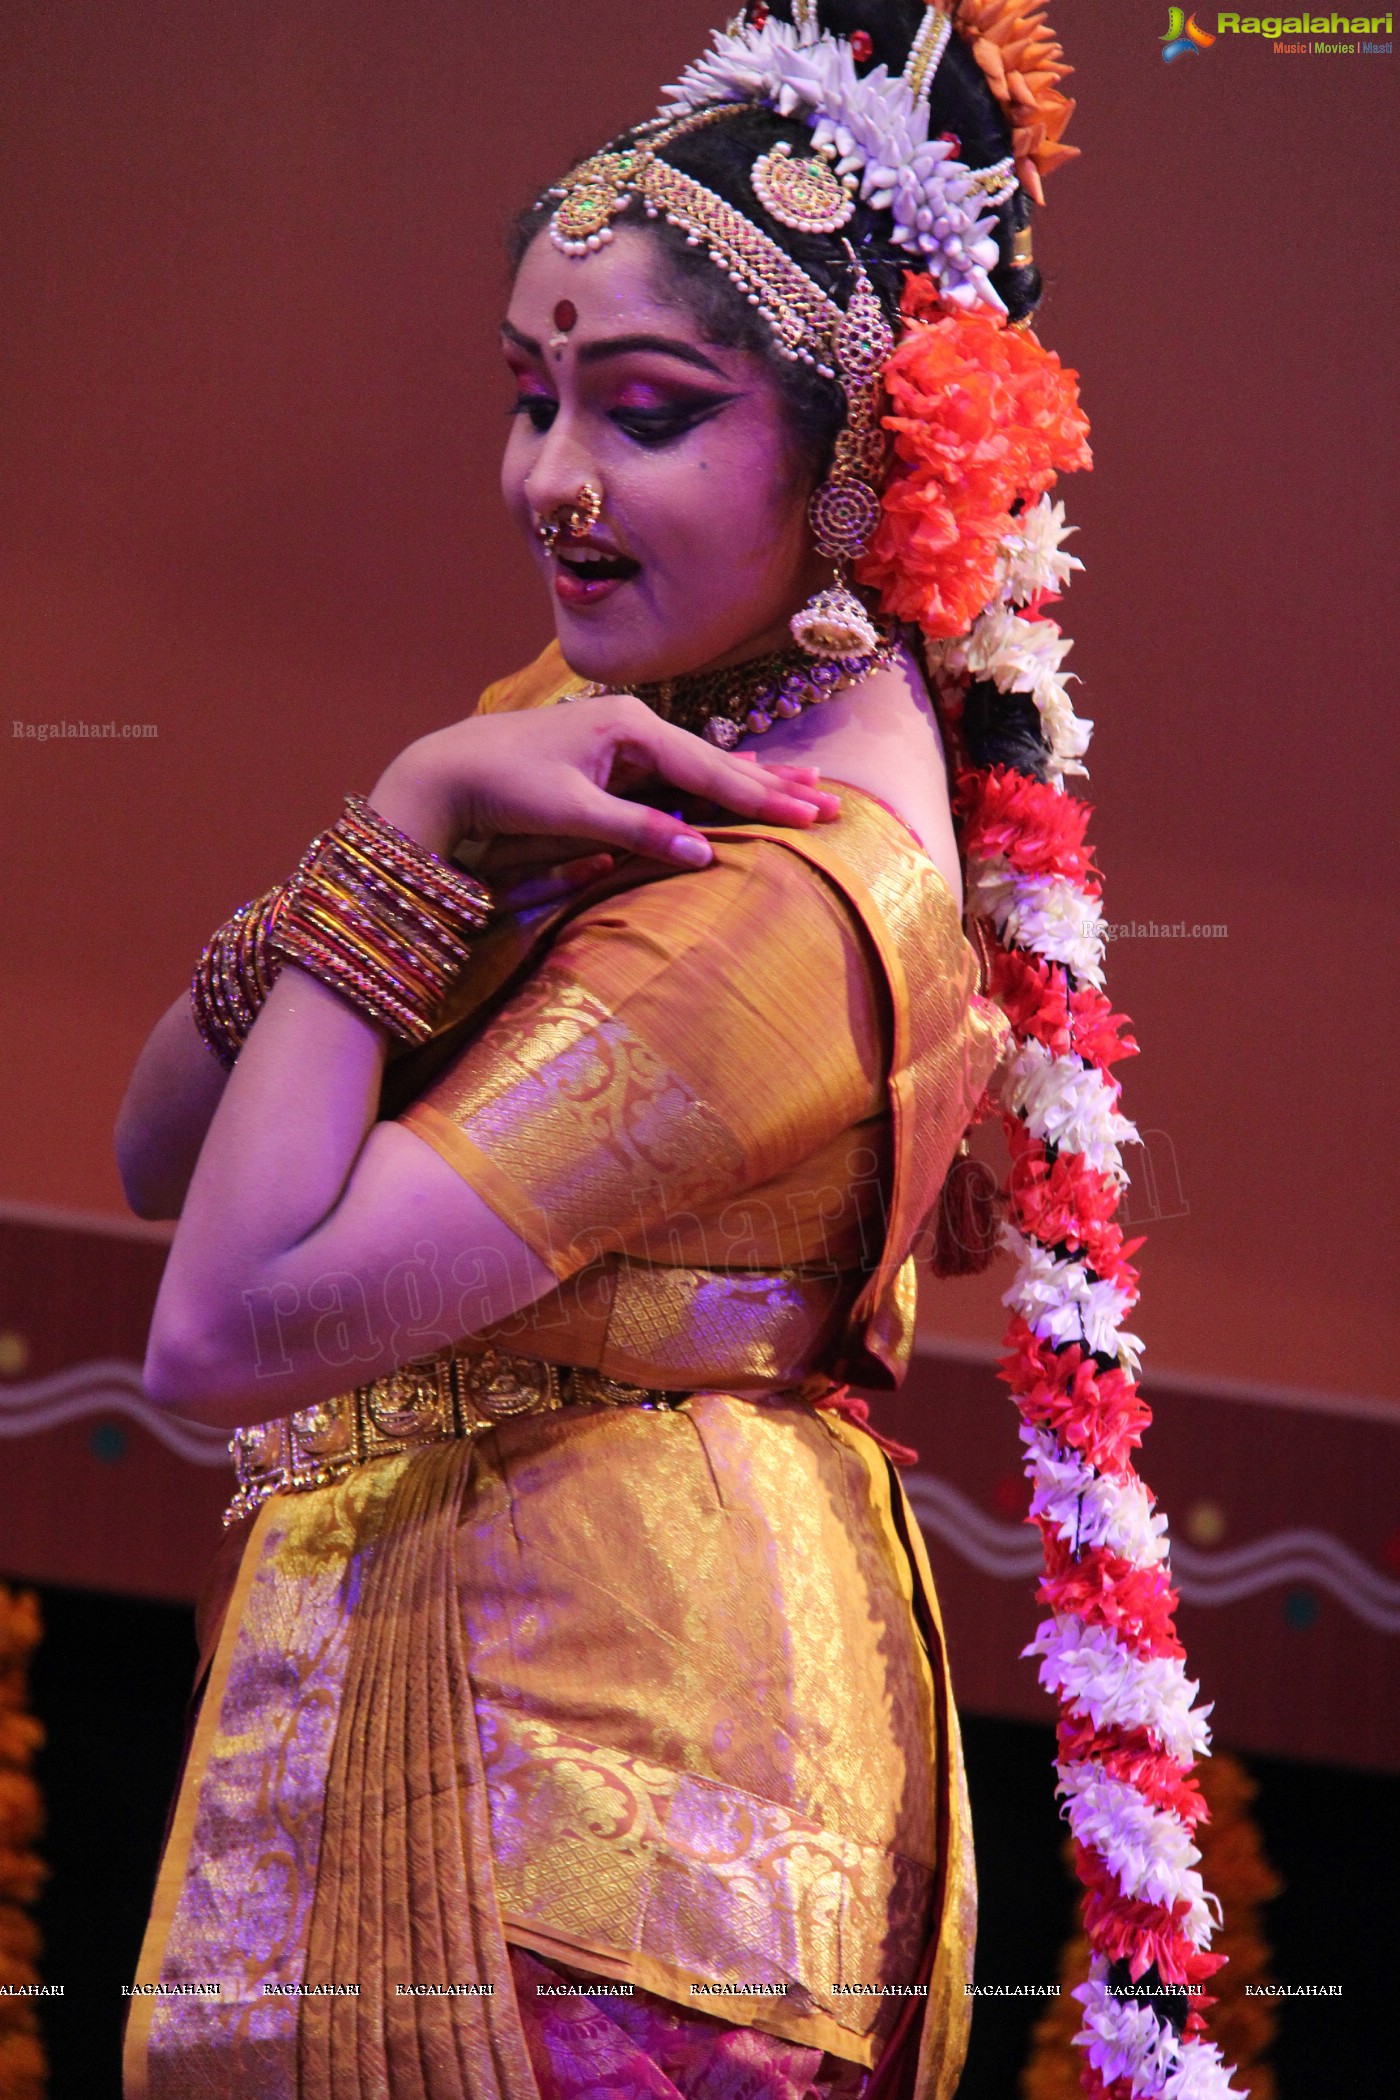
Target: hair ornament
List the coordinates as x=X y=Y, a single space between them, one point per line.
x=589 y=201
x=982 y=420
x=1023 y=64
x=802 y=317
x=995 y=185
x=806 y=195
x=926 y=51
x=878 y=125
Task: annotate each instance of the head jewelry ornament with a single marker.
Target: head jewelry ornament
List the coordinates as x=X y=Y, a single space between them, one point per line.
x=802 y=194
x=807 y=323
x=878 y=125
x=870 y=139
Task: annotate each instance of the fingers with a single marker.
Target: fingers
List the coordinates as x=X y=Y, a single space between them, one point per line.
x=785 y=795
x=778 y=794
x=783 y=766
x=548 y=793
x=636 y=828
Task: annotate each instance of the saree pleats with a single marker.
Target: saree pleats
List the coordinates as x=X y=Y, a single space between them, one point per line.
x=405 y=1899
x=693 y=1733
x=215 y=2011
x=705 y=1712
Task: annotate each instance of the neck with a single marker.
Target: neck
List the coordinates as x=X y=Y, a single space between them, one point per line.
x=774 y=638
x=728 y=700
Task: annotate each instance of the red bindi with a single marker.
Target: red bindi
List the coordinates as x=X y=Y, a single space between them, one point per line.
x=565 y=315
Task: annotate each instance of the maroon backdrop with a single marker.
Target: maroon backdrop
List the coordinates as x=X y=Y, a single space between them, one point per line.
x=253 y=272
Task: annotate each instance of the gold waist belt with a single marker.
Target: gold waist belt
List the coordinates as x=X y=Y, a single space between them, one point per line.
x=423 y=1402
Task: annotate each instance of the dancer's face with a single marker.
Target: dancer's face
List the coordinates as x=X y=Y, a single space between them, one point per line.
x=702 y=552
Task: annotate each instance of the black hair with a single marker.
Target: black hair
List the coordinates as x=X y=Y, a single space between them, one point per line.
x=721 y=155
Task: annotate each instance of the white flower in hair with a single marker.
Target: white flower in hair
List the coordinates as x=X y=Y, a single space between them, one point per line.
x=1070 y=1105
x=1031 y=558
x=1019 y=656
x=1025 y=656
x=1148 y=1849
x=1087 y=1508
x=1124 y=2039
x=1061 y=1303
x=1201 y=2073
x=1066 y=734
x=878 y=129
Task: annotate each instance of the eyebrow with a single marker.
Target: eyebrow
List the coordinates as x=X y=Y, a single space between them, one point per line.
x=623 y=346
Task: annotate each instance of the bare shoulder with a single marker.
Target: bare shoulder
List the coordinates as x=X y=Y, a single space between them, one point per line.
x=881 y=736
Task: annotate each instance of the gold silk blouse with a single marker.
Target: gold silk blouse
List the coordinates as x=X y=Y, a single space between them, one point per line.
x=721 y=1106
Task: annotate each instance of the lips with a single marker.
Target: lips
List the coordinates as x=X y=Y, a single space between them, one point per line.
x=586 y=572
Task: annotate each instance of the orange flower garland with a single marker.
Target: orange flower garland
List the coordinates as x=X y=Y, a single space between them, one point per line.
x=1023 y=65
x=22 y=2067
x=983 y=419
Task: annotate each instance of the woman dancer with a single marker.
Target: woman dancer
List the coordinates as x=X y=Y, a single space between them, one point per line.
x=576 y=1718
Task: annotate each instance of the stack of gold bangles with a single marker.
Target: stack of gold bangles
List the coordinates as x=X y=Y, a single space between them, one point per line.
x=370 y=912
x=235 y=974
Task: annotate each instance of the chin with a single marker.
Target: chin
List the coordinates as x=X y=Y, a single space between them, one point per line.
x=613 y=653
x=609 y=655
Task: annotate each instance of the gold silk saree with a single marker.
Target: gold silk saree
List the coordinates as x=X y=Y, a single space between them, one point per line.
x=656 y=1693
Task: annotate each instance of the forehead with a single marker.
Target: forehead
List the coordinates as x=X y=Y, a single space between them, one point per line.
x=616 y=289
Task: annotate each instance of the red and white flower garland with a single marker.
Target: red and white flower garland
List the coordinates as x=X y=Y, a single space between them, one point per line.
x=1129 y=1730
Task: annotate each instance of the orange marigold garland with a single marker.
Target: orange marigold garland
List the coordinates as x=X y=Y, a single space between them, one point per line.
x=23 y=2073
x=1023 y=65
x=983 y=420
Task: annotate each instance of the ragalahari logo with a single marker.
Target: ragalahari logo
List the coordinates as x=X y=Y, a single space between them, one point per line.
x=1184 y=33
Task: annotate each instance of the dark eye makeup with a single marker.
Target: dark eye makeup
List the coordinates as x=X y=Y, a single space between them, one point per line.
x=663 y=425
x=539 y=410
x=650 y=427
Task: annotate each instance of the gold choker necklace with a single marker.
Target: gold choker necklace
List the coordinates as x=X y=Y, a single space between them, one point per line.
x=745 y=699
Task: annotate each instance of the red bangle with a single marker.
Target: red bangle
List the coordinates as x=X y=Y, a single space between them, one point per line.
x=380 y=920
x=234 y=975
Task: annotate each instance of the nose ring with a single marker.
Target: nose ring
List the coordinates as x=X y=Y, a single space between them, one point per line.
x=573 y=517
